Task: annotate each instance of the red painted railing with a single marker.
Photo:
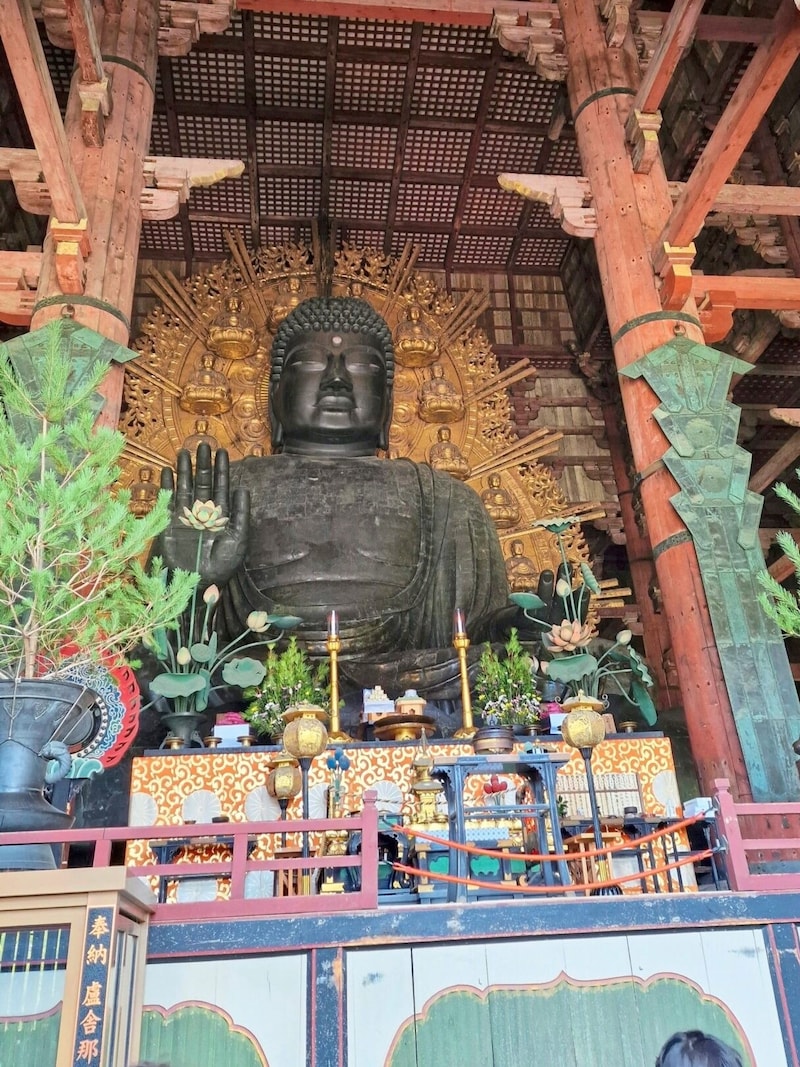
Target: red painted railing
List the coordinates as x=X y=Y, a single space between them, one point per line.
x=741 y=851
x=238 y=838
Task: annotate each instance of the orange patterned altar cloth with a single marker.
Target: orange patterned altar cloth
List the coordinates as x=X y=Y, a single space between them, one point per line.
x=198 y=784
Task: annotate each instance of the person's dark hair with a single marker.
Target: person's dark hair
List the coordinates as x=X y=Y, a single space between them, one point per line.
x=693 y=1048
x=345 y=314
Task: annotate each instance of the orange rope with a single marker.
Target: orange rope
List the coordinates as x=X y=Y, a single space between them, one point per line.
x=651 y=872
x=500 y=854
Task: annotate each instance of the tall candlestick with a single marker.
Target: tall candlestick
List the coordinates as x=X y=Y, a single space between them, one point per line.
x=461 y=644
x=333 y=644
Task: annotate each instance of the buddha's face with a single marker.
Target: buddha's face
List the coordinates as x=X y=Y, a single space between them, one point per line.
x=332 y=392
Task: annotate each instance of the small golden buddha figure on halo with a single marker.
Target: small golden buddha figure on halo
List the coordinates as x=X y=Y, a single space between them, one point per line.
x=207 y=391
x=232 y=334
x=143 y=493
x=201 y=436
x=501 y=505
x=290 y=293
x=439 y=400
x=520 y=571
x=414 y=343
x=445 y=455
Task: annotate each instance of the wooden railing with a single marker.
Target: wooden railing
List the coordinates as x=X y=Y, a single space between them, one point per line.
x=742 y=852
x=238 y=839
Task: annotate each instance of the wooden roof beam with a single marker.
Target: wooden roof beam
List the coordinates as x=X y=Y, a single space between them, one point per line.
x=19 y=277
x=94 y=86
x=775 y=465
x=769 y=66
x=29 y=68
x=676 y=37
x=69 y=226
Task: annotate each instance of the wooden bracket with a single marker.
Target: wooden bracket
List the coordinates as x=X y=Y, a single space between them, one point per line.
x=716 y=315
x=674 y=265
x=95 y=108
x=569 y=199
x=72 y=248
x=170 y=179
x=181 y=23
x=617 y=16
x=641 y=132
x=541 y=40
x=19 y=277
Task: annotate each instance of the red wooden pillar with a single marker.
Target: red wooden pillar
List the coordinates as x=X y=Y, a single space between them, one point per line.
x=631 y=211
x=111 y=178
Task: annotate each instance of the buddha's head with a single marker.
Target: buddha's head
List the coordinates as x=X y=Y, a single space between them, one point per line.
x=331 y=379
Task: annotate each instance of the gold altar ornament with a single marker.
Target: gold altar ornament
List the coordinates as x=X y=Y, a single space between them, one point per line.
x=584 y=726
x=333 y=644
x=284 y=780
x=461 y=643
x=305 y=735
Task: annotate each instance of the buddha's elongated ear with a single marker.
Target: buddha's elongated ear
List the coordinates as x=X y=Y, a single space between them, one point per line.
x=275 y=424
x=383 y=436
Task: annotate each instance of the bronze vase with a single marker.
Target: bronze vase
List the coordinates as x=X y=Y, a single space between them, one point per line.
x=33 y=713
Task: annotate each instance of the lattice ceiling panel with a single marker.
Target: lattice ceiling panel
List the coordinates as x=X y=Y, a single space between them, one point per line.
x=426 y=203
x=359 y=145
x=433 y=246
x=284 y=235
x=290 y=82
x=565 y=158
x=509 y=151
x=199 y=137
x=299 y=28
x=162 y=236
x=456 y=40
x=284 y=143
x=360 y=200
x=436 y=151
x=782 y=391
x=439 y=92
x=193 y=74
x=159 y=136
x=362 y=33
x=232 y=195
x=370 y=87
x=60 y=63
x=545 y=253
x=516 y=99
x=491 y=207
x=473 y=250
x=210 y=239
x=293 y=197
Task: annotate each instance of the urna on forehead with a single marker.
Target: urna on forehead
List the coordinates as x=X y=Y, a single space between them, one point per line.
x=340 y=314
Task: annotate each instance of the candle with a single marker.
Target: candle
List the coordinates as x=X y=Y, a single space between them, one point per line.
x=458 y=623
x=333 y=624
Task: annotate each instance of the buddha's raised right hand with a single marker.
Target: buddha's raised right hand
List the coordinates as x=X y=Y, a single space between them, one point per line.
x=197 y=539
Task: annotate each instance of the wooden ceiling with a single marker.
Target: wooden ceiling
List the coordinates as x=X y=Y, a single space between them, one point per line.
x=387 y=132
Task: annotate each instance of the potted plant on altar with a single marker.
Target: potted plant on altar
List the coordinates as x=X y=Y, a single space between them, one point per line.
x=190 y=651
x=290 y=678
x=588 y=667
x=72 y=589
x=506 y=695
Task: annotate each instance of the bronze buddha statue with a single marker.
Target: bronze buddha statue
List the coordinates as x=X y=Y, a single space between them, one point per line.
x=323 y=523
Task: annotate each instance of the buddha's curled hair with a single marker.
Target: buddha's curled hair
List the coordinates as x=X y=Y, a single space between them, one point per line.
x=343 y=314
